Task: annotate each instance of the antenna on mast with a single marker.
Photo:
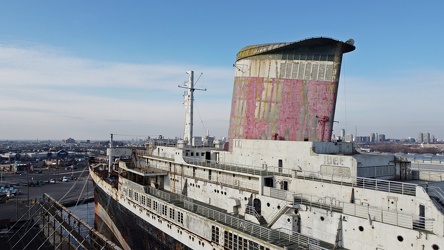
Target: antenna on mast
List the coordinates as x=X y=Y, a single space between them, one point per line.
x=188 y=101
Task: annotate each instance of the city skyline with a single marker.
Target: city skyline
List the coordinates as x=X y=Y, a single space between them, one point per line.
x=89 y=69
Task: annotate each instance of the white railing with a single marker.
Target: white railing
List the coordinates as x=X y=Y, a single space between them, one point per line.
x=437 y=196
x=239 y=168
x=361 y=182
x=255 y=230
x=272 y=217
x=362 y=211
x=270 y=235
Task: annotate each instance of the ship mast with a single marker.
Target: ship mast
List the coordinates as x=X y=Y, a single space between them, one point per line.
x=188 y=102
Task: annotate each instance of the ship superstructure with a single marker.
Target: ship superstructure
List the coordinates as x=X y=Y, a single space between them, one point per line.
x=279 y=182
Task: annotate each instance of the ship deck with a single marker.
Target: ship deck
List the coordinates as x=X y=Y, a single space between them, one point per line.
x=279 y=238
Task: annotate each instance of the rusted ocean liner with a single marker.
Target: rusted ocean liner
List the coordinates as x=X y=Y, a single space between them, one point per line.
x=279 y=182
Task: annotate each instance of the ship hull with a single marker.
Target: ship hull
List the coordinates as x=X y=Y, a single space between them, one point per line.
x=131 y=231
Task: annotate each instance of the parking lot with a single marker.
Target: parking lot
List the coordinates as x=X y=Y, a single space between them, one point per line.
x=69 y=190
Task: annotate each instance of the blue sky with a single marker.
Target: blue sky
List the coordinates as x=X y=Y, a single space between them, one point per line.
x=86 y=69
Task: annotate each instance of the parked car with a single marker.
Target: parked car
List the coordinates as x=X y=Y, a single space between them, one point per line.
x=65 y=179
x=51 y=181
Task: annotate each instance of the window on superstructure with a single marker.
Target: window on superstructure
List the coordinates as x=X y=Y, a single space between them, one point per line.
x=284 y=185
x=136 y=196
x=164 y=210
x=143 y=200
x=215 y=234
x=172 y=213
x=268 y=182
x=230 y=240
x=155 y=205
x=239 y=242
x=130 y=193
x=180 y=217
x=254 y=245
x=148 y=202
x=235 y=247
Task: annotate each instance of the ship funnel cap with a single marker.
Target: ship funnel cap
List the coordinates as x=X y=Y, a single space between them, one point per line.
x=253 y=50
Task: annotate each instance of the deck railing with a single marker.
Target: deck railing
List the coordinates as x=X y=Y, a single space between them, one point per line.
x=363 y=211
x=268 y=234
x=362 y=182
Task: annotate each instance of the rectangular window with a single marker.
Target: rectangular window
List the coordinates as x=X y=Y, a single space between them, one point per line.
x=284 y=185
x=180 y=217
x=143 y=200
x=130 y=193
x=235 y=242
x=215 y=234
x=164 y=210
x=172 y=213
x=148 y=202
x=136 y=196
x=155 y=205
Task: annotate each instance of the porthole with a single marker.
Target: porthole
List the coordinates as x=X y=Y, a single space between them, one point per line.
x=268 y=204
x=322 y=218
x=361 y=228
x=278 y=207
x=400 y=238
x=435 y=247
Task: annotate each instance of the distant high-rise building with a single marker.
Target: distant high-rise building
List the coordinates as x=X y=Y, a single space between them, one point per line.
x=69 y=140
x=420 y=138
x=424 y=138
x=348 y=138
x=362 y=139
x=342 y=133
x=427 y=138
x=372 y=137
x=381 y=137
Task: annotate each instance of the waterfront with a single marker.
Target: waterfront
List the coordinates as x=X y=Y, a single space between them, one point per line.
x=85 y=212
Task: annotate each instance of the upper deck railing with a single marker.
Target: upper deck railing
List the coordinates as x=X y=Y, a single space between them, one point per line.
x=268 y=170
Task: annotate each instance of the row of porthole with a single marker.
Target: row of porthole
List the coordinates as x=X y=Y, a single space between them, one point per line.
x=288 y=220
x=221 y=192
x=268 y=205
x=200 y=242
x=172 y=179
x=194 y=185
x=400 y=238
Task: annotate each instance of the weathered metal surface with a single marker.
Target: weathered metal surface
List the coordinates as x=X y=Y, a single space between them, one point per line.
x=286 y=91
